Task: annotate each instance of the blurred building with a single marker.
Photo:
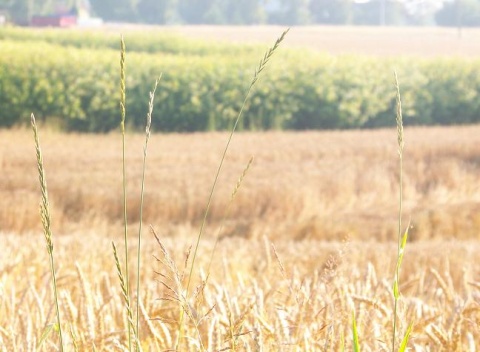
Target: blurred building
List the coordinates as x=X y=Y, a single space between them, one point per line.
x=63 y=16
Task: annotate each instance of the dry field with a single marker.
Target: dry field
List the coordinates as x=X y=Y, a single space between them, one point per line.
x=377 y=41
x=309 y=238
x=312 y=185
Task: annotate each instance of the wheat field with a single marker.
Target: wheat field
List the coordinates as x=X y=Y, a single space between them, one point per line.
x=342 y=40
x=310 y=185
x=310 y=237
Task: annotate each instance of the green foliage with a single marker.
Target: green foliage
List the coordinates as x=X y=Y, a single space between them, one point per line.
x=459 y=13
x=72 y=79
x=159 y=12
x=292 y=12
x=221 y=12
x=331 y=12
x=356 y=343
x=115 y=10
x=154 y=43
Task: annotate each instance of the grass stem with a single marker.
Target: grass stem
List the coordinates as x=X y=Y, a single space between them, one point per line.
x=124 y=173
x=142 y=192
x=400 y=243
x=258 y=70
x=46 y=222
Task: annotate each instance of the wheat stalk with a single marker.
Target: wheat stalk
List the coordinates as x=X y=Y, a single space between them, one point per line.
x=258 y=70
x=402 y=240
x=443 y=284
x=126 y=284
x=142 y=192
x=46 y=222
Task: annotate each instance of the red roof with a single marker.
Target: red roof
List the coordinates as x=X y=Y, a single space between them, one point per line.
x=54 y=21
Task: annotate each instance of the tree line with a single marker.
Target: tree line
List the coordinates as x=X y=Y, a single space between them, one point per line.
x=74 y=86
x=250 y=12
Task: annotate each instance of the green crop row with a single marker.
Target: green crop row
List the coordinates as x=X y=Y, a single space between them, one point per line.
x=78 y=88
x=146 y=41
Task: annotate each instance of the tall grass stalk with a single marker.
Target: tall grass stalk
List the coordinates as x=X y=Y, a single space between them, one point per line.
x=402 y=240
x=356 y=342
x=261 y=66
x=142 y=192
x=124 y=174
x=46 y=222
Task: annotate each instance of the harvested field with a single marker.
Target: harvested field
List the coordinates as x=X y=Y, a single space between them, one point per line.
x=308 y=242
x=316 y=185
x=375 y=41
x=309 y=238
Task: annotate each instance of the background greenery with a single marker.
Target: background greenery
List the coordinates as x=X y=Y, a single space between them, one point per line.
x=290 y=12
x=70 y=79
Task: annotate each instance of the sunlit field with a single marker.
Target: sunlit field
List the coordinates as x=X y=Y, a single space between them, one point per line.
x=309 y=238
x=311 y=185
x=376 y=41
x=301 y=244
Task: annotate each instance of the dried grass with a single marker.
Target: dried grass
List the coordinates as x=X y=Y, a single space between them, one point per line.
x=295 y=295
x=248 y=301
x=312 y=185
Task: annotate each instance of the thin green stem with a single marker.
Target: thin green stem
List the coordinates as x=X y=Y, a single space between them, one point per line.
x=46 y=222
x=400 y=210
x=397 y=269
x=142 y=192
x=124 y=173
x=258 y=70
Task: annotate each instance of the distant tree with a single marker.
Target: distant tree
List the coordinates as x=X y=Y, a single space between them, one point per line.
x=459 y=13
x=115 y=10
x=195 y=11
x=331 y=11
x=245 y=12
x=44 y=7
x=291 y=12
x=20 y=11
x=158 y=11
x=215 y=13
x=421 y=12
x=379 y=12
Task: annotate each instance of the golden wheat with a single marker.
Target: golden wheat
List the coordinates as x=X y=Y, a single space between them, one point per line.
x=296 y=297
x=342 y=185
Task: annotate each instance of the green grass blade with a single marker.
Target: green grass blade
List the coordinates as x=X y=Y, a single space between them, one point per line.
x=403 y=244
x=342 y=342
x=403 y=345
x=396 y=291
x=356 y=343
x=46 y=332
